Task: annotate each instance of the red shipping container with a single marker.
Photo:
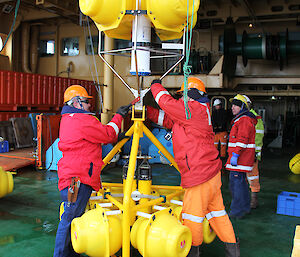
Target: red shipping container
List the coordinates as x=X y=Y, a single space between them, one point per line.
x=21 y=91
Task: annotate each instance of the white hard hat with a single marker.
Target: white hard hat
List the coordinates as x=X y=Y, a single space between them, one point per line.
x=247 y=98
x=217 y=102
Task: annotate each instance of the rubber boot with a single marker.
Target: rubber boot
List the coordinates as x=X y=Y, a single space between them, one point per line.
x=194 y=252
x=254 y=200
x=232 y=249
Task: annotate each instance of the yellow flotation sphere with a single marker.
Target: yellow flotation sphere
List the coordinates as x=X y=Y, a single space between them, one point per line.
x=295 y=164
x=96 y=234
x=6 y=182
x=208 y=234
x=162 y=235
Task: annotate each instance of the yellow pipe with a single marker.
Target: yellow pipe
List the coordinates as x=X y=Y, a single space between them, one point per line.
x=128 y=188
x=117 y=147
x=156 y=201
x=108 y=80
x=106 y=184
x=115 y=202
x=166 y=187
x=158 y=144
x=145 y=189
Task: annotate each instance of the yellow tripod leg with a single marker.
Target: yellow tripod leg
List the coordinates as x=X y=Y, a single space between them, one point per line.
x=138 y=132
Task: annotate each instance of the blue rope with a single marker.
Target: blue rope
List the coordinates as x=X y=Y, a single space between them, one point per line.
x=187 y=69
x=12 y=26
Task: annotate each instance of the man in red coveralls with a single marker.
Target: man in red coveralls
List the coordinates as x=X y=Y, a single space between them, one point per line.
x=198 y=162
x=81 y=136
x=241 y=155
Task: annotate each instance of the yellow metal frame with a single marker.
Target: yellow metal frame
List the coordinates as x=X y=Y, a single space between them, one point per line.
x=128 y=207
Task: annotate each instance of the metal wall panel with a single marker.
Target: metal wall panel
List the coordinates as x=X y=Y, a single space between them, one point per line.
x=4 y=116
x=21 y=91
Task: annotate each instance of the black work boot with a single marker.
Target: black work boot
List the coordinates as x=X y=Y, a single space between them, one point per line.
x=194 y=252
x=254 y=200
x=232 y=249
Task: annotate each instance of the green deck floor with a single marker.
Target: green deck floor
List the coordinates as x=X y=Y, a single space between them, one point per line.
x=29 y=215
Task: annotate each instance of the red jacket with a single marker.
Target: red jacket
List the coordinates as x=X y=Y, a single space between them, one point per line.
x=81 y=138
x=193 y=139
x=242 y=142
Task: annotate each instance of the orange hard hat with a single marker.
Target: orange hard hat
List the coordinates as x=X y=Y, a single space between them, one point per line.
x=193 y=83
x=75 y=90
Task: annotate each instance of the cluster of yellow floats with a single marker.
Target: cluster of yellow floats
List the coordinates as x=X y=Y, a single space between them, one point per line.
x=6 y=182
x=135 y=212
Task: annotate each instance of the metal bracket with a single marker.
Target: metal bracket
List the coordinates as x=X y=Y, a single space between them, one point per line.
x=136 y=12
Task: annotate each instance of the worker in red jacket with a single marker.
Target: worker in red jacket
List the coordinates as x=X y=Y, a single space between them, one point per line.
x=81 y=136
x=241 y=155
x=198 y=162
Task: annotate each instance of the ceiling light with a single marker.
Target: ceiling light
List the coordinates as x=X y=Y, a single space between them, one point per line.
x=250 y=25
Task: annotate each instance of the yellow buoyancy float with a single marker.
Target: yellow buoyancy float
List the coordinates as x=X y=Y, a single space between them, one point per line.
x=295 y=164
x=6 y=182
x=115 y=17
x=96 y=234
x=161 y=235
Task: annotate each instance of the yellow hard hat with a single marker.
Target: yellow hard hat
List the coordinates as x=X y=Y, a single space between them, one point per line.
x=240 y=98
x=75 y=90
x=193 y=83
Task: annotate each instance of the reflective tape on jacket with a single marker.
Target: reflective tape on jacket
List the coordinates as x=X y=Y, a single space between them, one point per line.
x=260 y=131
x=193 y=218
x=115 y=127
x=215 y=214
x=241 y=145
x=160 y=94
x=239 y=167
x=258 y=148
x=161 y=116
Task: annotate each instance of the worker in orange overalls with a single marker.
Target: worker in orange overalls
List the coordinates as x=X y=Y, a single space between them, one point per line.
x=220 y=122
x=198 y=162
x=253 y=176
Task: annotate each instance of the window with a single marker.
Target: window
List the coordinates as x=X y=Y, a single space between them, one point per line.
x=47 y=48
x=88 y=45
x=70 y=46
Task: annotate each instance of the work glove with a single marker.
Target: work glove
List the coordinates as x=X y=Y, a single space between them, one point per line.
x=194 y=93
x=122 y=136
x=156 y=81
x=257 y=156
x=123 y=110
x=234 y=159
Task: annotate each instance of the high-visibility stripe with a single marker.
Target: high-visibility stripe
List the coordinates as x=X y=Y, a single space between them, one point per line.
x=161 y=116
x=215 y=214
x=258 y=148
x=239 y=167
x=216 y=143
x=193 y=218
x=223 y=143
x=258 y=153
x=115 y=127
x=208 y=113
x=161 y=93
x=252 y=178
x=259 y=131
x=241 y=145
